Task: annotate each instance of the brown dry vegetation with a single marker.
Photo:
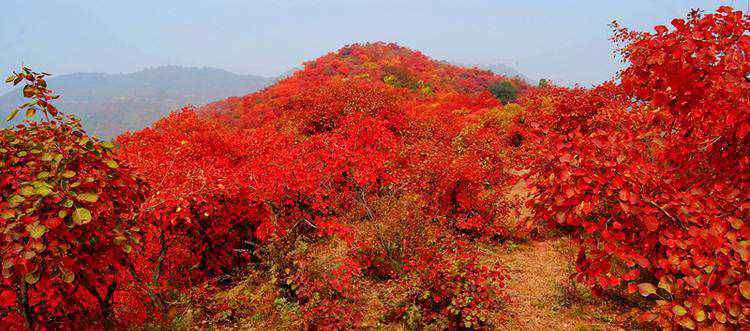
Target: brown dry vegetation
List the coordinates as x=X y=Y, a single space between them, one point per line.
x=541 y=296
x=540 y=293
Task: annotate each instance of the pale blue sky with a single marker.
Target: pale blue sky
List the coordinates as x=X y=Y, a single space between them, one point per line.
x=563 y=40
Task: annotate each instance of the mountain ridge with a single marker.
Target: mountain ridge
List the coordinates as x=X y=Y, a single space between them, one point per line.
x=111 y=103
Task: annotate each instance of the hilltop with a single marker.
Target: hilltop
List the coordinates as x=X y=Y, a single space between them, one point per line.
x=378 y=65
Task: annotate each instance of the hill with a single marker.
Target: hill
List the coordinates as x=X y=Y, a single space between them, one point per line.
x=381 y=64
x=109 y=104
x=356 y=156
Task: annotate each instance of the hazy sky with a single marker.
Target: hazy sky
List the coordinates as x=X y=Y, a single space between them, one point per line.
x=566 y=41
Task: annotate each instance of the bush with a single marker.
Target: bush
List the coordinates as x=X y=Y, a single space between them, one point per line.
x=67 y=212
x=650 y=175
x=504 y=91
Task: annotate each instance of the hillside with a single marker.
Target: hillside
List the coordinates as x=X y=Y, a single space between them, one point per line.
x=378 y=188
x=110 y=104
x=356 y=156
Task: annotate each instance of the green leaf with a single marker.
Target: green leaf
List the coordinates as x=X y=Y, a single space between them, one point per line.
x=81 y=216
x=68 y=174
x=36 y=230
x=88 y=197
x=107 y=144
x=112 y=164
x=42 y=175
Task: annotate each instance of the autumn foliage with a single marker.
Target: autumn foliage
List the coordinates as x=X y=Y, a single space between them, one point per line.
x=68 y=212
x=309 y=158
x=357 y=192
x=651 y=173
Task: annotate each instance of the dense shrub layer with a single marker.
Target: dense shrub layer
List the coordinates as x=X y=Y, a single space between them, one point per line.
x=651 y=173
x=353 y=193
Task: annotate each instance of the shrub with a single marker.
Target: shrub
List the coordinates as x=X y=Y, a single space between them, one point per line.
x=504 y=91
x=67 y=212
x=650 y=174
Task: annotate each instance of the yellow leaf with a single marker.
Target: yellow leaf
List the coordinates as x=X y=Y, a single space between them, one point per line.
x=88 y=197
x=679 y=310
x=745 y=289
x=687 y=323
x=36 y=230
x=646 y=289
x=112 y=164
x=31 y=278
x=665 y=284
x=736 y=222
x=67 y=275
x=700 y=315
x=81 y=216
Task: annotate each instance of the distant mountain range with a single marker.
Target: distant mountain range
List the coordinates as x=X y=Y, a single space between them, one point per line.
x=498 y=68
x=109 y=104
x=504 y=70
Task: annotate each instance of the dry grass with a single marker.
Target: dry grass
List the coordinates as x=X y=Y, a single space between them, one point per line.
x=541 y=295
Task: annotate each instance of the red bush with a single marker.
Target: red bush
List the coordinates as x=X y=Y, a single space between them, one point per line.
x=67 y=211
x=650 y=174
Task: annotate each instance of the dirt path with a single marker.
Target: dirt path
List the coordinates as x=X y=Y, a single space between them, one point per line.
x=542 y=296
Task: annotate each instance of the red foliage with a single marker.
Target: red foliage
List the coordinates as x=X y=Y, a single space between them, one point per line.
x=299 y=155
x=67 y=213
x=651 y=174
x=449 y=285
x=386 y=163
